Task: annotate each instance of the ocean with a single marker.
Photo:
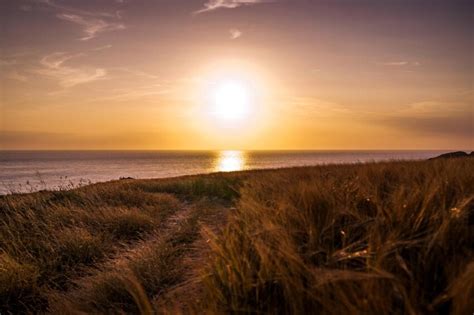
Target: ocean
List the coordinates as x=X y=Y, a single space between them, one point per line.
x=28 y=171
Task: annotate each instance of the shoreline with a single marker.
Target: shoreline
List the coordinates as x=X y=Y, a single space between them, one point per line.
x=23 y=172
x=68 y=184
x=185 y=176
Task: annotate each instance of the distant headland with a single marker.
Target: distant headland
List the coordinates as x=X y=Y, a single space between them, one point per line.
x=455 y=154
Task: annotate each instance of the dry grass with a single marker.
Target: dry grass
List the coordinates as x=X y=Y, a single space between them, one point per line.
x=130 y=282
x=51 y=243
x=47 y=238
x=352 y=239
x=361 y=239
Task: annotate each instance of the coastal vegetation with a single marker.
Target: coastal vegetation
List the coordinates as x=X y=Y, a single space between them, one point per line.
x=375 y=238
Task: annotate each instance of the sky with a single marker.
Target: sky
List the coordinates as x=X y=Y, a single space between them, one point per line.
x=313 y=75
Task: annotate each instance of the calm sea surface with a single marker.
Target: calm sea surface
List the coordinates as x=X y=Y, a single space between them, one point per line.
x=23 y=171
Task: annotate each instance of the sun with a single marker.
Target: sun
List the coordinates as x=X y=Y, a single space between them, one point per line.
x=231 y=100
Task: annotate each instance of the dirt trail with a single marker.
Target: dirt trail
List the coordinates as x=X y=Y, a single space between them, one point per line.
x=162 y=231
x=165 y=229
x=186 y=288
x=183 y=297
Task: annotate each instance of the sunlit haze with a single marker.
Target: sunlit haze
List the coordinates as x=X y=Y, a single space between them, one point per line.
x=236 y=75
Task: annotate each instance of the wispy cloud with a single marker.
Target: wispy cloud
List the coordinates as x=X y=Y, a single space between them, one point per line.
x=54 y=66
x=139 y=92
x=65 y=8
x=91 y=26
x=134 y=84
x=92 y=23
x=8 y=68
x=212 y=5
x=434 y=118
x=137 y=73
x=17 y=139
x=399 y=63
x=15 y=75
x=101 y=48
x=308 y=106
x=395 y=63
x=235 y=33
x=427 y=118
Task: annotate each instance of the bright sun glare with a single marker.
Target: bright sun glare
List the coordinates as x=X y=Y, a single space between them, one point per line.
x=231 y=100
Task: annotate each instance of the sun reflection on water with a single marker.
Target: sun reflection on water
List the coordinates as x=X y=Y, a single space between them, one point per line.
x=229 y=161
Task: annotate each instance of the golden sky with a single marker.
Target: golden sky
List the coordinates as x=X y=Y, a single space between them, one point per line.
x=339 y=74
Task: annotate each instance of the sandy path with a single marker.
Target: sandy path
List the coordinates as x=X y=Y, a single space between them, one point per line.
x=187 y=290
x=185 y=296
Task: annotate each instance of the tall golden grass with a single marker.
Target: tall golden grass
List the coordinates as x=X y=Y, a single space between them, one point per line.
x=53 y=245
x=385 y=238
x=47 y=238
